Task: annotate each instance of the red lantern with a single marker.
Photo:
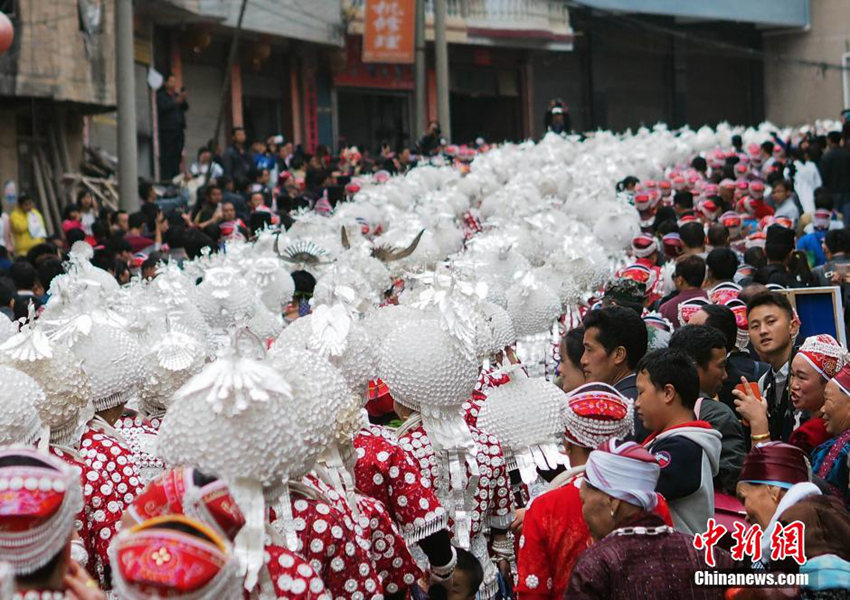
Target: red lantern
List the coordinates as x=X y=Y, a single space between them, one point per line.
x=7 y=34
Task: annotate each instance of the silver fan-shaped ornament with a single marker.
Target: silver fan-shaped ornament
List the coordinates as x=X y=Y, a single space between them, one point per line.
x=67 y=388
x=302 y=252
x=172 y=361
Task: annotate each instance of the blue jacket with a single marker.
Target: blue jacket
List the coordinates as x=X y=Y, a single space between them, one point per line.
x=811 y=244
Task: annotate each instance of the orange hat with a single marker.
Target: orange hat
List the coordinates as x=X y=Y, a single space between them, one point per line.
x=160 y=559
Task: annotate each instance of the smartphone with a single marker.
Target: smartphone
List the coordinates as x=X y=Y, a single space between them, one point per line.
x=752 y=385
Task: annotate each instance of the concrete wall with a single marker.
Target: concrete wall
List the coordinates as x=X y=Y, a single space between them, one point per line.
x=796 y=94
x=631 y=77
x=202 y=82
x=53 y=58
x=8 y=146
x=623 y=76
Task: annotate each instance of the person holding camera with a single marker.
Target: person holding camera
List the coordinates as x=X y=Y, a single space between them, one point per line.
x=171 y=107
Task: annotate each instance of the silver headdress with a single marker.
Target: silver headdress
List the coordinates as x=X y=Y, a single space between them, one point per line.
x=66 y=385
x=234 y=420
x=525 y=414
x=332 y=332
x=171 y=362
x=226 y=299
x=19 y=421
x=431 y=371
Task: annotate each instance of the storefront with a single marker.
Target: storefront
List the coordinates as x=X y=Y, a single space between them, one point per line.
x=488 y=94
x=373 y=102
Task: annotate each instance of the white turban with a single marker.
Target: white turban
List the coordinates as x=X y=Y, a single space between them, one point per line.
x=624 y=470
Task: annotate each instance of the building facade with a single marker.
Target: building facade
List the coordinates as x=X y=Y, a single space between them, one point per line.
x=493 y=48
x=58 y=71
x=798 y=93
x=616 y=64
x=279 y=81
x=299 y=72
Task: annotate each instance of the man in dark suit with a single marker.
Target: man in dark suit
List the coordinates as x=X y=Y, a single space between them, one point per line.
x=171 y=107
x=835 y=171
x=773 y=327
x=738 y=362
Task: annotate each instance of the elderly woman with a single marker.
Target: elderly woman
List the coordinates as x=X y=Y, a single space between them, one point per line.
x=554 y=533
x=829 y=460
x=775 y=477
x=827 y=529
x=818 y=360
x=635 y=555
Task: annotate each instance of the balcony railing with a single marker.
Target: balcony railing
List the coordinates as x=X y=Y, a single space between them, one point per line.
x=545 y=17
x=529 y=19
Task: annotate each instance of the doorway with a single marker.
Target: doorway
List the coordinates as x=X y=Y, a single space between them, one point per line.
x=485 y=102
x=368 y=118
x=262 y=117
x=495 y=118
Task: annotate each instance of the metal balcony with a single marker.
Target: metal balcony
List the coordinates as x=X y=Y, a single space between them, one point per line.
x=518 y=23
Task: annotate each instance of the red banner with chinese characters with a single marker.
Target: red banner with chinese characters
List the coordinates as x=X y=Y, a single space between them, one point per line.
x=359 y=74
x=388 y=32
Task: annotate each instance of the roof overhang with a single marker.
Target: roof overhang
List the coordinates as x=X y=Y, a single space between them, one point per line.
x=763 y=13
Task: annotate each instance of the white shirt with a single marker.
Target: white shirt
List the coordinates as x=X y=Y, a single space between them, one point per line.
x=199 y=169
x=780 y=378
x=806 y=180
x=788 y=209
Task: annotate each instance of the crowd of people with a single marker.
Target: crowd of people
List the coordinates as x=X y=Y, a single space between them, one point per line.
x=508 y=377
x=289 y=178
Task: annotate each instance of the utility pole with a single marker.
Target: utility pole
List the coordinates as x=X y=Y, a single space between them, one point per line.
x=125 y=85
x=225 y=87
x=441 y=49
x=419 y=44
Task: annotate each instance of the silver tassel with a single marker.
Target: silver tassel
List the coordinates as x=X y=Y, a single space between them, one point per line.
x=458 y=486
x=249 y=540
x=335 y=474
x=283 y=508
